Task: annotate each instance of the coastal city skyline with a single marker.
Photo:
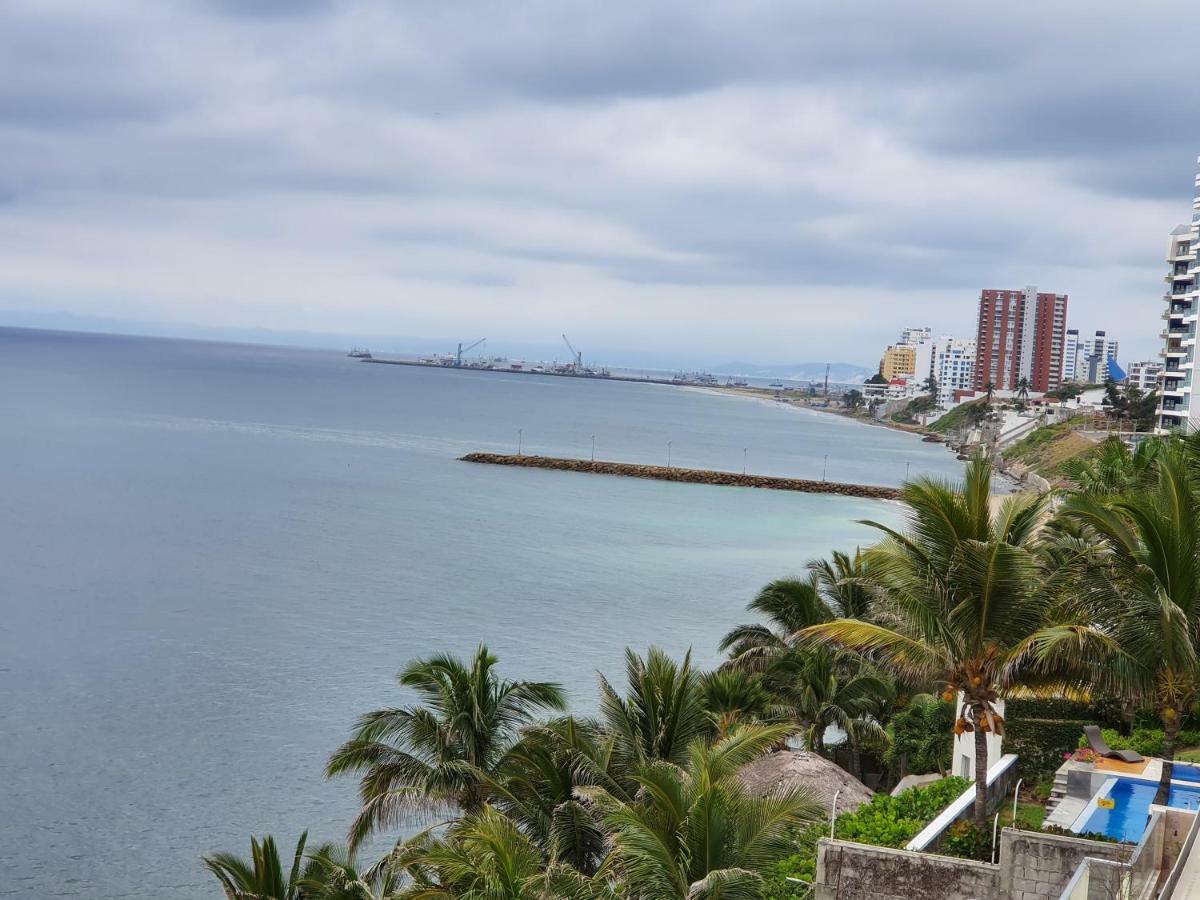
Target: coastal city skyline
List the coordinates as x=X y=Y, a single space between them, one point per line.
x=610 y=188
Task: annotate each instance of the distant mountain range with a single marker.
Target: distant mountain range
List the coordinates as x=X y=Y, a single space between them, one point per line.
x=842 y=373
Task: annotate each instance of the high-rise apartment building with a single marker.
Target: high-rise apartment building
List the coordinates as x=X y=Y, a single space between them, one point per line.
x=953 y=368
x=1071 y=356
x=1177 y=409
x=1144 y=375
x=1100 y=351
x=1020 y=336
x=899 y=361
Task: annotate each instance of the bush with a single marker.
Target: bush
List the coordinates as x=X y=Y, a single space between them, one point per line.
x=1048 y=708
x=966 y=840
x=884 y=822
x=1041 y=744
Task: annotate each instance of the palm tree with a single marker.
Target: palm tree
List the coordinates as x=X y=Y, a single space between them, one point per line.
x=965 y=605
x=433 y=755
x=695 y=833
x=789 y=604
x=1022 y=388
x=663 y=713
x=734 y=697
x=261 y=877
x=835 y=588
x=484 y=856
x=843 y=584
x=535 y=786
x=991 y=391
x=1151 y=588
x=820 y=687
x=333 y=874
x=1112 y=468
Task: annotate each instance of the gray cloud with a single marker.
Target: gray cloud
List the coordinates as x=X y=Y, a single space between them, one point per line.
x=858 y=166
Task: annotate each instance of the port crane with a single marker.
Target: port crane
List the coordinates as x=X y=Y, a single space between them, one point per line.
x=576 y=356
x=461 y=350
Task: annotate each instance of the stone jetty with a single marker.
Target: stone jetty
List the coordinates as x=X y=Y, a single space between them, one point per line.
x=688 y=476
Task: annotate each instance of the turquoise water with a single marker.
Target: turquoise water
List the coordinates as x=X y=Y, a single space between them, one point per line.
x=215 y=556
x=1132 y=799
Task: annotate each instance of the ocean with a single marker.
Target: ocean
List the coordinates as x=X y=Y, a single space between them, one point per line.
x=215 y=556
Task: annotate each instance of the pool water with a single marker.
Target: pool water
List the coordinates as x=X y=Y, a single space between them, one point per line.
x=1126 y=821
x=1185 y=772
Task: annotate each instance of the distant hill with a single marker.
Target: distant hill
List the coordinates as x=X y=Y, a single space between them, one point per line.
x=840 y=372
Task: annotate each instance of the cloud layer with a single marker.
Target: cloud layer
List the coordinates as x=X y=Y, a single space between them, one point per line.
x=765 y=180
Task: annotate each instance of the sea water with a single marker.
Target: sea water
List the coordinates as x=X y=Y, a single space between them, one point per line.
x=213 y=557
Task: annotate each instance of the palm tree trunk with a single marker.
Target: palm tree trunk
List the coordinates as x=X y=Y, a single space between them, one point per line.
x=981 y=767
x=1170 y=730
x=855 y=758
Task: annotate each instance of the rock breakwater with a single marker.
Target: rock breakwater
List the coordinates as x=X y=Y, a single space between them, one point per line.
x=688 y=476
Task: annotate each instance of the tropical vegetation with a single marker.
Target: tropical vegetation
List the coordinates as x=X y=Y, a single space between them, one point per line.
x=874 y=659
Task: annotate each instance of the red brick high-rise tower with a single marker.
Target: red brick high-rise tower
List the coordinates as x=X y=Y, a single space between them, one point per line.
x=1020 y=335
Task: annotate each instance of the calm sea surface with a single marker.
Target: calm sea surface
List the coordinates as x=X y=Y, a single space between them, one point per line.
x=212 y=557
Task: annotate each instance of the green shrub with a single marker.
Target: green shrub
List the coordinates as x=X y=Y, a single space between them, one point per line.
x=1041 y=744
x=1048 y=708
x=884 y=822
x=966 y=840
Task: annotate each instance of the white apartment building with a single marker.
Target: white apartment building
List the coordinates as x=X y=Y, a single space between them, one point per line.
x=1071 y=356
x=1144 y=375
x=1176 y=409
x=1099 y=351
x=953 y=367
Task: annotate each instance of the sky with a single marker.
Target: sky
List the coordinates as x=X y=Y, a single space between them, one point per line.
x=772 y=182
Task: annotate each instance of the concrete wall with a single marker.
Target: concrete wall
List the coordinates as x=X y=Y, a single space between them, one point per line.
x=847 y=871
x=1035 y=865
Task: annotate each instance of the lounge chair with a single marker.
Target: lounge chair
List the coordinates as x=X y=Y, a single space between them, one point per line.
x=1096 y=741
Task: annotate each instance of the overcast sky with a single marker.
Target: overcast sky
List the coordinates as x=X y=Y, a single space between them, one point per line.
x=767 y=181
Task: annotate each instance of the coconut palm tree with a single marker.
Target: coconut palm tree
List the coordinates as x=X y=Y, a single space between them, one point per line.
x=990 y=389
x=1113 y=468
x=535 y=786
x=835 y=588
x=789 y=604
x=734 y=697
x=694 y=832
x=843 y=583
x=431 y=756
x=1149 y=584
x=332 y=873
x=484 y=856
x=261 y=877
x=1023 y=388
x=965 y=606
x=663 y=713
x=820 y=687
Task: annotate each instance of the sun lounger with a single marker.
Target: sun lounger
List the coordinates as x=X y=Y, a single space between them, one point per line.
x=1096 y=741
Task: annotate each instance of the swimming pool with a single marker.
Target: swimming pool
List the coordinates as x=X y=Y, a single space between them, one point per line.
x=1126 y=820
x=1185 y=772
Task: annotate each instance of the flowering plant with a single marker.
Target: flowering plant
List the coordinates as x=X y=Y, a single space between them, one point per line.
x=1084 y=755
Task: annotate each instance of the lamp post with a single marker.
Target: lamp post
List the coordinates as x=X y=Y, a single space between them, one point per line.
x=520 y=439
x=668 y=454
x=825 y=467
x=593 y=448
x=744 y=451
